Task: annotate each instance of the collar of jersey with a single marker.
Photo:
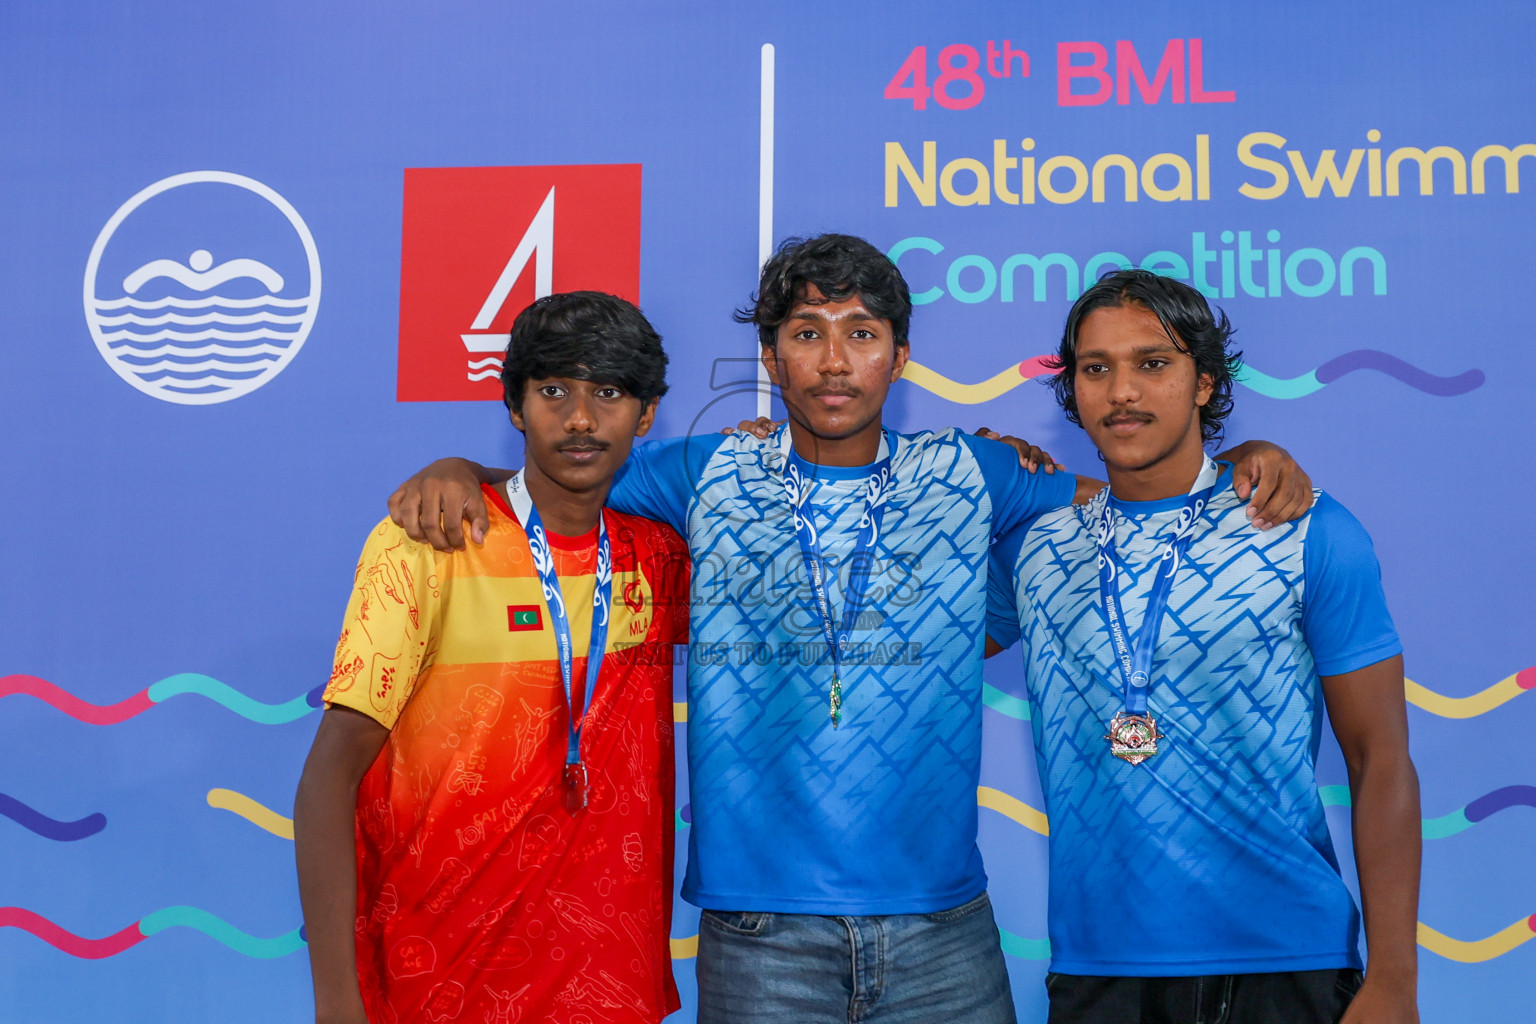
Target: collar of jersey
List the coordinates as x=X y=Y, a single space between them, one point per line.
x=1139 y=509
x=820 y=473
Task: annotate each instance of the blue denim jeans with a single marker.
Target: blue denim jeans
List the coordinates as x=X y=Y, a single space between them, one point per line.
x=758 y=968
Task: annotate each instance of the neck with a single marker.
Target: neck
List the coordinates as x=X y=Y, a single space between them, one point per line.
x=565 y=512
x=857 y=449
x=1168 y=477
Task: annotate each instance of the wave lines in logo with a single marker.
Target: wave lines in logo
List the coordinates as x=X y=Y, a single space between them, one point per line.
x=201 y=331
x=1385 y=363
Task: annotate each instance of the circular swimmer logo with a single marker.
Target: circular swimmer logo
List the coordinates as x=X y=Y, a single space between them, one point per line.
x=202 y=287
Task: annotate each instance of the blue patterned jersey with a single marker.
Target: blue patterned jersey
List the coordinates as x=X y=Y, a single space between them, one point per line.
x=1213 y=856
x=789 y=814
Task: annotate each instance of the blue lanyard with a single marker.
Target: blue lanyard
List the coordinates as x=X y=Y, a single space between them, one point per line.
x=1136 y=664
x=799 y=483
x=602 y=598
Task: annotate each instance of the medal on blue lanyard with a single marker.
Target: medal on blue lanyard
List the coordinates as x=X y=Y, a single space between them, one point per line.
x=1133 y=733
x=799 y=483
x=575 y=773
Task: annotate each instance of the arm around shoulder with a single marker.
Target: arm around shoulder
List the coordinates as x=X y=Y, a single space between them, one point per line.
x=433 y=505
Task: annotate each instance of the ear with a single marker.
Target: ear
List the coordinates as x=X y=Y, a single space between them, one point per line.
x=1204 y=388
x=899 y=363
x=647 y=417
x=770 y=357
x=517 y=419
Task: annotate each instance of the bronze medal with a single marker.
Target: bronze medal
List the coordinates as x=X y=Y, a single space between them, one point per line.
x=575 y=786
x=1133 y=738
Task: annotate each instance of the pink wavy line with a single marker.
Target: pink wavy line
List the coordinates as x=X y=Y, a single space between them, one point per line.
x=1037 y=366
x=93 y=714
x=68 y=942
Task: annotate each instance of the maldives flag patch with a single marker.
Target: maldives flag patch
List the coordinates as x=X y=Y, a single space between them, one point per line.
x=523 y=617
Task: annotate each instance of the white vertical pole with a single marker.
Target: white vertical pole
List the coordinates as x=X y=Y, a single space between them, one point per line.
x=764 y=201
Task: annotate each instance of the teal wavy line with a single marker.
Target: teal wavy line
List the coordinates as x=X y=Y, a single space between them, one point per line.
x=1003 y=703
x=1275 y=387
x=234 y=700
x=1431 y=828
x=1024 y=949
x=216 y=928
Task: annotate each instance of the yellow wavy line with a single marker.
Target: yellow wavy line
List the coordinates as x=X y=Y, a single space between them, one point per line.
x=1013 y=807
x=1463 y=707
x=685 y=949
x=680 y=711
x=965 y=394
x=251 y=811
x=1497 y=944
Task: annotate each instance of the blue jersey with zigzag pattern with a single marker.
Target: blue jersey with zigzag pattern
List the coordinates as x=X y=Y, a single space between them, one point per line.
x=1213 y=856
x=790 y=814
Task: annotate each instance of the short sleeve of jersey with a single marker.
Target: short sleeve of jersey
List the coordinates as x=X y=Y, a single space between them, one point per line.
x=1017 y=494
x=386 y=635
x=668 y=566
x=658 y=479
x=1002 y=609
x=1344 y=614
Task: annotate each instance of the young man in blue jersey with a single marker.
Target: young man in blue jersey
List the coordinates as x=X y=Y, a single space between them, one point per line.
x=1175 y=657
x=837 y=622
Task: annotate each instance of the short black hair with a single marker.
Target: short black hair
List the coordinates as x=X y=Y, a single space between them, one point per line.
x=840 y=266
x=584 y=336
x=1186 y=317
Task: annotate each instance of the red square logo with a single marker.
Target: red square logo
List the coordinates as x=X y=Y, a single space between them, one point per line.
x=481 y=243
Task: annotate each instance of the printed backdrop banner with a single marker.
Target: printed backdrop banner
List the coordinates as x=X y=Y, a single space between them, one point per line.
x=195 y=435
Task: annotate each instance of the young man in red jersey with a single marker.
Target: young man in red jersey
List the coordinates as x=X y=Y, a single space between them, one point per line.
x=484 y=826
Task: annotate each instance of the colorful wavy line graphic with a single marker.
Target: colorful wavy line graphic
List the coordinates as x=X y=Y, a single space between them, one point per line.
x=1012 y=807
x=1272 y=387
x=171 y=686
x=974 y=394
x=1504 y=690
x=262 y=817
x=1458 y=820
x=152 y=924
x=48 y=828
x=1478 y=950
x=1004 y=703
x=1022 y=948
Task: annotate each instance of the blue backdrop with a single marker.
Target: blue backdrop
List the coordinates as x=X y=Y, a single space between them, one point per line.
x=195 y=435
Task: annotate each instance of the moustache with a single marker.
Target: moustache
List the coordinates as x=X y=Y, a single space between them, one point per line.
x=1128 y=416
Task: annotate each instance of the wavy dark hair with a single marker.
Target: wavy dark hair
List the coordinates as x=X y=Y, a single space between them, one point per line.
x=584 y=336
x=1191 y=325
x=840 y=266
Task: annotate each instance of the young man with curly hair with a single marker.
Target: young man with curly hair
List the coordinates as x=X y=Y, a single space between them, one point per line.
x=1178 y=661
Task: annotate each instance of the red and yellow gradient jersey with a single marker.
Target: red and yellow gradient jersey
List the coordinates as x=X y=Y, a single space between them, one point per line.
x=480 y=896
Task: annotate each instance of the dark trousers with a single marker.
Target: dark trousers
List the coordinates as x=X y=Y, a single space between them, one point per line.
x=1290 y=997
